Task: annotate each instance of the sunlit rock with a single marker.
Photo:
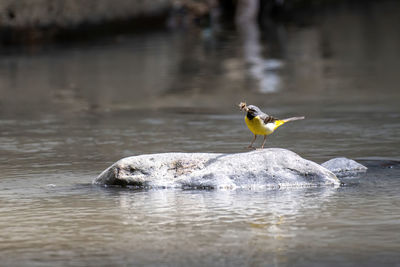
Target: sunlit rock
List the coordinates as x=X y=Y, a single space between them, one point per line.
x=344 y=167
x=267 y=168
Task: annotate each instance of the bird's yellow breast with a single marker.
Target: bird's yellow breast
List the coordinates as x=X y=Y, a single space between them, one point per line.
x=258 y=127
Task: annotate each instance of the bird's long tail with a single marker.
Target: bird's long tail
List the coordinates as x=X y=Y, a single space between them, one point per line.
x=294 y=119
x=281 y=122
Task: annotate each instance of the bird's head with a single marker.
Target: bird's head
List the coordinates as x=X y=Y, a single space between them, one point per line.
x=252 y=111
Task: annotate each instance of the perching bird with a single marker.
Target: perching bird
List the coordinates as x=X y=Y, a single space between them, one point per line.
x=260 y=123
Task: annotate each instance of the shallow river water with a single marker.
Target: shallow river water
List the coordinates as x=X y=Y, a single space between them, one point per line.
x=69 y=111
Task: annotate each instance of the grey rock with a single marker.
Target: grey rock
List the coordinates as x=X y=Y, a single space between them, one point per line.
x=380 y=162
x=344 y=167
x=267 y=168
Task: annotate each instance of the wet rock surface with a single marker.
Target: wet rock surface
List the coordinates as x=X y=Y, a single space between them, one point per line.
x=344 y=167
x=272 y=167
x=380 y=162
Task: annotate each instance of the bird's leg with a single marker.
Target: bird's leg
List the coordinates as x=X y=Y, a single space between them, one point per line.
x=265 y=139
x=252 y=142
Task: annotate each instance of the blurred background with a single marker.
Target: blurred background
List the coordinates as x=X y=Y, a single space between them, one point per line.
x=106 y=79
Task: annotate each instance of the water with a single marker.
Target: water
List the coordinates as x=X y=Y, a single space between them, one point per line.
x=68 y=112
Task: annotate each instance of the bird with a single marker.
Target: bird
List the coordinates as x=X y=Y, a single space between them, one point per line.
x=260 y=123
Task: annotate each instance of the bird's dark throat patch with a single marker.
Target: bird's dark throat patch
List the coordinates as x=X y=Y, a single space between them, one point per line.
x=250 y=116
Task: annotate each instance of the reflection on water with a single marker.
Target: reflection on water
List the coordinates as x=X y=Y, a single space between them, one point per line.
x=68 y=112
x=82 y=224
x=261 y=70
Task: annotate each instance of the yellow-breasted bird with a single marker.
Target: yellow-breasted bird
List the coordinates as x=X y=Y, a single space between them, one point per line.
x=260 y=123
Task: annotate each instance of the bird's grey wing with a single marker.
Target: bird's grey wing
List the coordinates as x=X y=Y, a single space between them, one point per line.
x=267 y=118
